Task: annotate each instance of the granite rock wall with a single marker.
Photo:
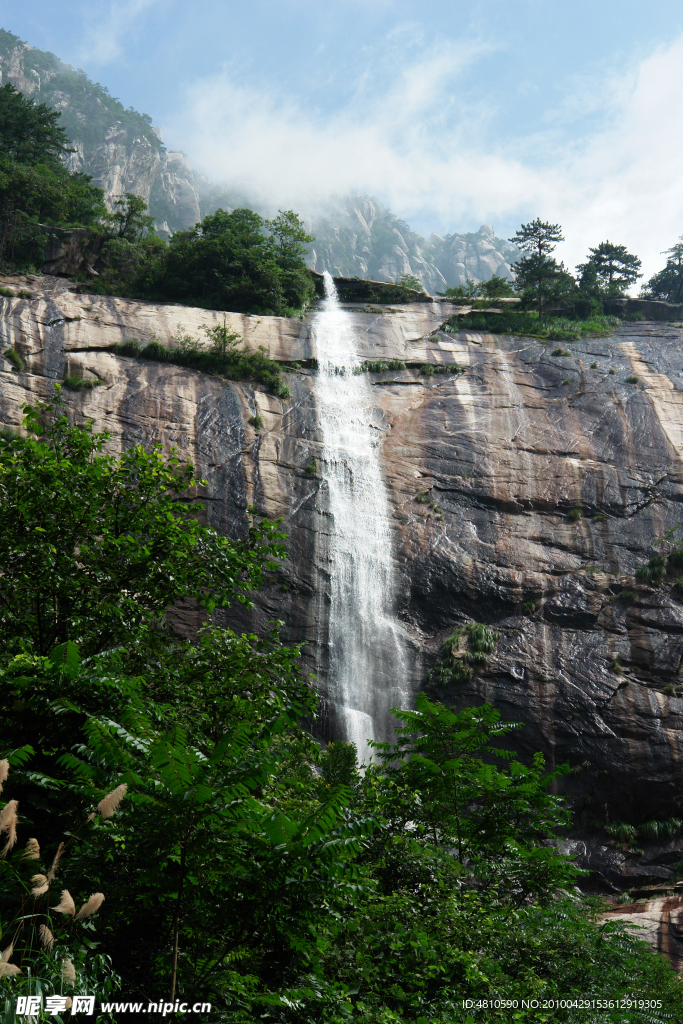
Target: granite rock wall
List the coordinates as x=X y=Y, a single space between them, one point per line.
x=544 y=483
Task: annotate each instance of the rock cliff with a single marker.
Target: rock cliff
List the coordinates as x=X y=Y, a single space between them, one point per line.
x=525 y=491
x=359 y=237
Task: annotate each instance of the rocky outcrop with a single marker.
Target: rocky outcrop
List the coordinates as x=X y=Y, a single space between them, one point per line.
x=476 y=256
x=359 y=237
x=544 y=483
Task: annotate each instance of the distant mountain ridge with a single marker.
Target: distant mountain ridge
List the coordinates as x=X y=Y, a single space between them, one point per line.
x=355 y=236
x=360 y=237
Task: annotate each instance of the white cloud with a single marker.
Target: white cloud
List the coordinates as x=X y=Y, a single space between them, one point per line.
x=105 y=34
x=409 y=137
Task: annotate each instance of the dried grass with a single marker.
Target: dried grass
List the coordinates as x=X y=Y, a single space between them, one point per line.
x=66 y=905
x=55 y=863
x=32 y=850
x=68 y=972
x=8 y=824
x=40 y=885
x=112 y=800
x=9 y=970
x=46 y=937
x=7 y=953
x=91 y=907
x=4 y=772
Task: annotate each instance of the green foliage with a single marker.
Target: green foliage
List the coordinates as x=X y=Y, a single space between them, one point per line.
x=631 y=380
x=469 y=290
x=381 y=366
x=30 y=133
x=459 y=654
x=128 y=219
x=539 y=277
x=653 y=573
x=614 y=268
x=256 y=422
x=621 y=831
x=575 y=514
x=223 y=358
x=497 y=287
x=627 y=596
x=230 y=262
x=312 y=467
x=426 y=498
x=528 y=324
x=410 y=281
x=594 y=366
x=657 y=830
x=494 y=818
x=13 y=357
x=106 y=544
x=667 y=284
x=76 y=383
x=34 y=185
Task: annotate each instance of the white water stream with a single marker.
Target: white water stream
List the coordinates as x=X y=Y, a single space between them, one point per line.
x=367 y=674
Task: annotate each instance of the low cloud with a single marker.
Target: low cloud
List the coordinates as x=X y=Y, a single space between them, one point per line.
x=412 y=139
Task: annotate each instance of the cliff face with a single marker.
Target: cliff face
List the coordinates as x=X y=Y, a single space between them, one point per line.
x=501 y=455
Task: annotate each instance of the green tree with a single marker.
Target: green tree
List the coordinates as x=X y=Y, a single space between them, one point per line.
x=615 y=267
x=35 y=187
x=129 y=219
x=539 y=277
x=497 y=287
x=93 y=546
x=667 y=284
x=292 y=237
x=30 y=132
x=497 y=819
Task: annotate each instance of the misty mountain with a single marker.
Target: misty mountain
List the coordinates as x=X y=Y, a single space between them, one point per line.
x=358 y=236
x=355 y=235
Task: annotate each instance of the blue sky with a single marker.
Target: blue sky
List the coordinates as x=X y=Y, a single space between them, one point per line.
x=453 y=113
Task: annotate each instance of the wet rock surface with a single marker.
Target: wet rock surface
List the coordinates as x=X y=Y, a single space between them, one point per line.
x=659 y=922
x=545 y=483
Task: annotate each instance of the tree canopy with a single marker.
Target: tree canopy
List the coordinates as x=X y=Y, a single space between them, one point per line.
x=613 y=265
x=35 y=186
x=539 y=277
x=667 y=283
x=95 y=546
x=30 y=133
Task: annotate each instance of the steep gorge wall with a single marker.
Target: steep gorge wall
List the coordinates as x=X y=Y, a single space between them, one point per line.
x=504 y=453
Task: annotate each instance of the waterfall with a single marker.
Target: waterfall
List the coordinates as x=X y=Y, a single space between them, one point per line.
x=367 y=671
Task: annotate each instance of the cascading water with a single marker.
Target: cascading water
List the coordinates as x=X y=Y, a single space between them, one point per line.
x=367 y=671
